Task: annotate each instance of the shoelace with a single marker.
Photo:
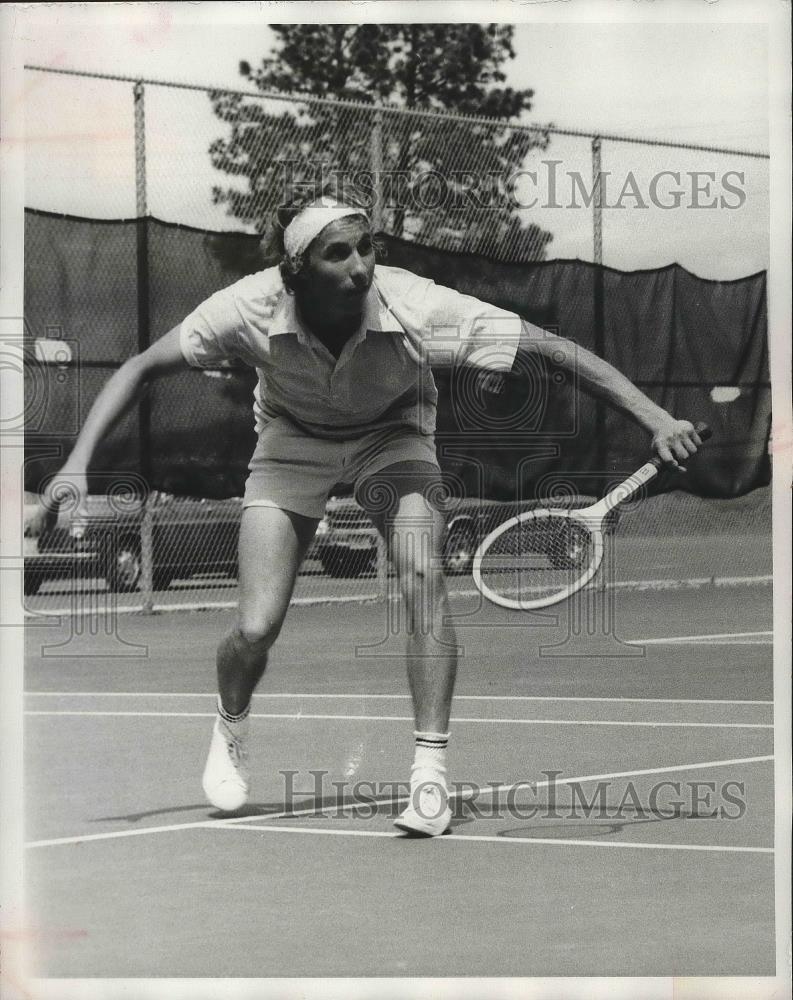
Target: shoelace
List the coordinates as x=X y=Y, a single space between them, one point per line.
x=234 y=747
x=432 y=799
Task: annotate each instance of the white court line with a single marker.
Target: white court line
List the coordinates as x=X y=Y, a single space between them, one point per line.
x=513 y=786
x=305 y=716
x=226 y=605
x=121 y=834
x=490 y=789
x=390 y=697
x=484 y=838
x=725 y=637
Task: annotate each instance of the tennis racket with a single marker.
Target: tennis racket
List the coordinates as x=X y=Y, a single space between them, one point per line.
x=543 y=556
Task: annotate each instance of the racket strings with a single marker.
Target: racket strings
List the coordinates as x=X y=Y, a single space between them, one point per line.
x=538 y=557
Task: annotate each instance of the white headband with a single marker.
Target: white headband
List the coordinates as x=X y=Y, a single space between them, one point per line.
x=310 y=222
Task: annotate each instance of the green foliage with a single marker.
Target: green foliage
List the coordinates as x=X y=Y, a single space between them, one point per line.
x=444 y=181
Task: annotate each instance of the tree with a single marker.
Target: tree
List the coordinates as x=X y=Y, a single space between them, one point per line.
x=438 y=179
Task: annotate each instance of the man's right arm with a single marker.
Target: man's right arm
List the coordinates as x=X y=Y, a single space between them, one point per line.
x=164 y=357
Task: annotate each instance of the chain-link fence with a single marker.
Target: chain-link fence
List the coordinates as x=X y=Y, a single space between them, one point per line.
x=223 y=160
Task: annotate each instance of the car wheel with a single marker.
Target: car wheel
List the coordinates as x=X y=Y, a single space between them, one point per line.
x=458 y=550
x=123 y=565
x=347 y=563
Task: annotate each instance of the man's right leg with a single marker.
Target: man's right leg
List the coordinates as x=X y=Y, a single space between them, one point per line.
x=272 y=545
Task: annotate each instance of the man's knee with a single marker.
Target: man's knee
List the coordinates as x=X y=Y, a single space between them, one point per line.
x=259 y=630
x=423 y=583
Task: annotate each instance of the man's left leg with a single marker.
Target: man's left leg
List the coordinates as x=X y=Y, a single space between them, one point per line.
x=413 y=530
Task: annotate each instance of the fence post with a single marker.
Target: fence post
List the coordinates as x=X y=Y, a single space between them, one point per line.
x=601 y=453
x=376 y=156
x=382 y=569
x=144 y=339
x=597 y=203
x=140 y=149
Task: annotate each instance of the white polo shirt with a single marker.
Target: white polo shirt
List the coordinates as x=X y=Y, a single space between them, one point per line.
x=382 y=377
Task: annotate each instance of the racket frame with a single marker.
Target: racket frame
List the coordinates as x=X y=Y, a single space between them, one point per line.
x=591 y=517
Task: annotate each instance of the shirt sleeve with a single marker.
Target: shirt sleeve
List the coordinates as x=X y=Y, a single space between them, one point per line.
x=211 y=333
x=452 y=328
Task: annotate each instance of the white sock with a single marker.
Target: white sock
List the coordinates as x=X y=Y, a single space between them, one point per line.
x=235 y=723
x=430 y=750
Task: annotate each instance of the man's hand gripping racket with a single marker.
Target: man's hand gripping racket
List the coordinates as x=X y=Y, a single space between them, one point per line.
x=544 y=556
x=67 y=489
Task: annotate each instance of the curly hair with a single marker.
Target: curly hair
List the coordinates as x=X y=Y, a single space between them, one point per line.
x=273 y=242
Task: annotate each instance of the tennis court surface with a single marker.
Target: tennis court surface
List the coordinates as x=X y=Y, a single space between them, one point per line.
x=613 y=812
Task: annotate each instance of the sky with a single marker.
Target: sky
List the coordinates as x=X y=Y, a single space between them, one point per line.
x=700 y=83
x=704 y=83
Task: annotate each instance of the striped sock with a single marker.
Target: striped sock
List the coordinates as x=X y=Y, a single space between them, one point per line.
x=228 y=718
x=430 y=750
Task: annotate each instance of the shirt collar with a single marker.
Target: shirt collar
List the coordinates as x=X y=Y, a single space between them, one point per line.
x=286 y=320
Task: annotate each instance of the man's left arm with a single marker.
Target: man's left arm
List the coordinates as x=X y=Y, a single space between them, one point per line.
x=673 y=440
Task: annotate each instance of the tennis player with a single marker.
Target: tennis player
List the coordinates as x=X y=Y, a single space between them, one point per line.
x=343 y=348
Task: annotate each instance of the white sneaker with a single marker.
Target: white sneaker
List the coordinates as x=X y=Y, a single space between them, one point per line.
x=428 y=813
x=226 y=779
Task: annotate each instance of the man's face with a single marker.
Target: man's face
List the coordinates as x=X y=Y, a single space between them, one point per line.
x=340 y=266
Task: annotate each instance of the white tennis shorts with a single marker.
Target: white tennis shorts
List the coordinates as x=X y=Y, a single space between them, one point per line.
x=293 y=470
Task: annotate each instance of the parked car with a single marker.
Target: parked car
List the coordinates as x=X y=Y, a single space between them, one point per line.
x=469 y=521
x=196 y=536
x=189 y=536
x=346 y=540
x=348 y=546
